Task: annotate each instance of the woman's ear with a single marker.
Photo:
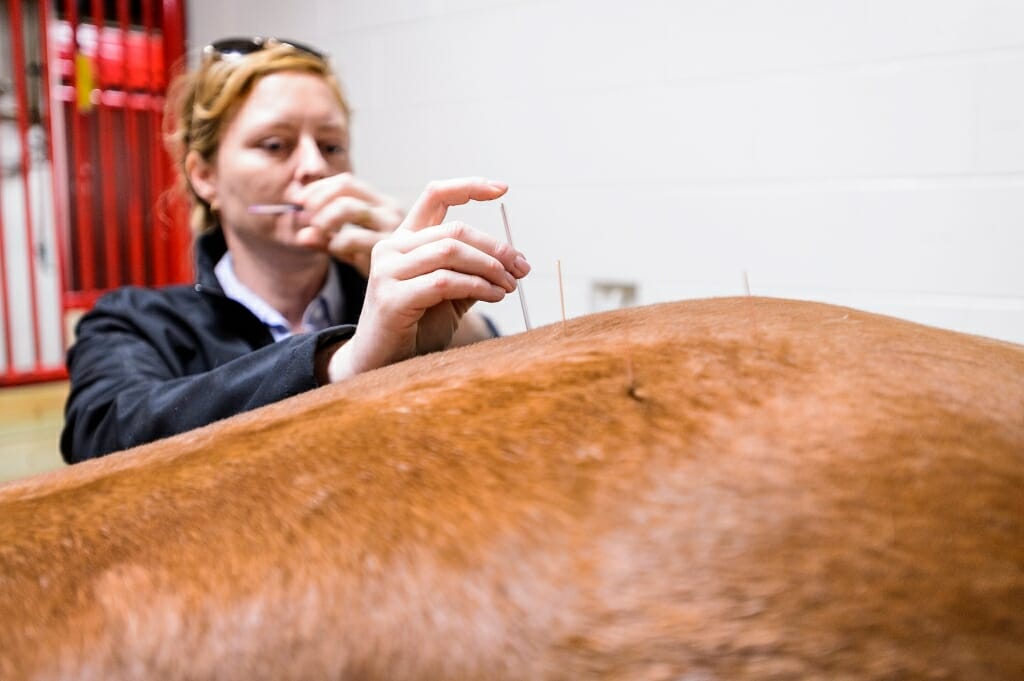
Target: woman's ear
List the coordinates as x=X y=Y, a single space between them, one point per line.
x=202 y=175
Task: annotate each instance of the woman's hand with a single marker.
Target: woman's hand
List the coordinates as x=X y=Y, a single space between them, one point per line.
x=346 y=217
x=425 y=276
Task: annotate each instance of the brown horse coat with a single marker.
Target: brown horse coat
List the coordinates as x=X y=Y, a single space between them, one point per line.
x=721 y=489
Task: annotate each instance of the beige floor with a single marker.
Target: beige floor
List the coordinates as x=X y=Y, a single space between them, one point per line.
x=30 y=421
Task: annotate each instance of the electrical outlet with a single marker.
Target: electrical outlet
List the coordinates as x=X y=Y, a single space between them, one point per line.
x=612 y=295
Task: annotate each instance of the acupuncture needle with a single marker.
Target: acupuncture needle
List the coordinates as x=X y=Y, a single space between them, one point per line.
x=519 y=286
x=274 y=208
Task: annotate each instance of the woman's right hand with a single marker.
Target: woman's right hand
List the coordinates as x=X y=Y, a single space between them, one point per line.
x=424 y=277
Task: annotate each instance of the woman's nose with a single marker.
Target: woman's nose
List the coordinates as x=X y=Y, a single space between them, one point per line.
x=311 y=162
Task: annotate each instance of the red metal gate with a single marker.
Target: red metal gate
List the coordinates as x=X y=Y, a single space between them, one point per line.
x=84 y=206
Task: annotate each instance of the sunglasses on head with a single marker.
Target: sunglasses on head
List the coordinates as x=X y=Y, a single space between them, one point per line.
x=239 y=47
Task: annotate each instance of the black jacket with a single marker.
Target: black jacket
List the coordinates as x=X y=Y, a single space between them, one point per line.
x=149 y=363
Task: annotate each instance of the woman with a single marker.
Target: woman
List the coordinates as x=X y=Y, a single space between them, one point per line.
x=285 y=233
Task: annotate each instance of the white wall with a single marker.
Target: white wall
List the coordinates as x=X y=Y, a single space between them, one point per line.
x=863 y=152
x=25 y=353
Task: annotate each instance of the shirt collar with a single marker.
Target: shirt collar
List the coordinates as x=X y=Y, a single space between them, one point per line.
x=322 y=312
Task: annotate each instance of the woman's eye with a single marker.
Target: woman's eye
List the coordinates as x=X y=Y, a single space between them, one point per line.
x=273 y=145
x=332 y=149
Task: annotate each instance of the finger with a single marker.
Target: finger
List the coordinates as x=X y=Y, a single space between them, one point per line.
x=347 y=210
x=425 y=292
x=341 y=199
x=317 y=194
x=312 y=238
x=433 y=204
x=511 y=259
x=352 y=242
x=455 y=256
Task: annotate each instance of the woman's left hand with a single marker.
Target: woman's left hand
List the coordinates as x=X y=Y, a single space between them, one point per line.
x=425 y=277
x=346 y=217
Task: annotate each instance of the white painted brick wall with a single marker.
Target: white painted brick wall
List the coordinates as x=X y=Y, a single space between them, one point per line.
x=863 y=152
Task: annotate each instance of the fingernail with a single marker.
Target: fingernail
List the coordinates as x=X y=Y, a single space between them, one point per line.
x=510 y=282
x=498 y=185
x=521 y=265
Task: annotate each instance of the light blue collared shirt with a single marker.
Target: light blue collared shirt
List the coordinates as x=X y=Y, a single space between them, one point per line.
x=324 y=311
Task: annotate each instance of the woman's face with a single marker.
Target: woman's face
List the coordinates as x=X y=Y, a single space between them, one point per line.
x=289 y=132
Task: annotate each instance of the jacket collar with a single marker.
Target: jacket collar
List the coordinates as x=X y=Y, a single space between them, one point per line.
x=209 y=248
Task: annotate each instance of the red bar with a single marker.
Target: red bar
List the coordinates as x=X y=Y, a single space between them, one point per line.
x=8 y=334
x=174 y=63
x=82 y=300
x=56 y=176
x=80 y=154
x=132 y=161
x=24 y=377
x=158 y=211
x=108 y=176
x=21 y=92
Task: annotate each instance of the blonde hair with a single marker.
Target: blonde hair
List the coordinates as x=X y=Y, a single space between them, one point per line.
x=201 y=103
